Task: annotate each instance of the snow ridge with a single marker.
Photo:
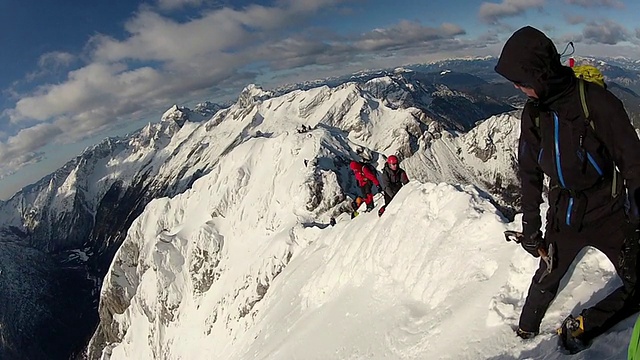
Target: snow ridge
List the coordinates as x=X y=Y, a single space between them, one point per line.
x=245 y=266
x=246 y=164
x=366 y=288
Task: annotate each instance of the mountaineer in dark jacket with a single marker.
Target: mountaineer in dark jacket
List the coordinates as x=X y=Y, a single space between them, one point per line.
x=393 y=177
x=586 y=193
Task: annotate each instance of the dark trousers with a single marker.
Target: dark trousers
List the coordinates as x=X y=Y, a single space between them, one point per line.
x=394 y=191
x=609 y=238
x=387 y=199
x=366 y=193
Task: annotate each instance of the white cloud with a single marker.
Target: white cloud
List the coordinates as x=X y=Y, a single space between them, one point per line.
x=405 y=36
x=303 y=6
x=164 y=61
x=51 y=63
x=569 y=37
x=594 y=3
x=157 y=38
x=11 y=166
x=84 y=89
x=492 y=13
x=199 y=54
x=575 y=19
x=606 y=32
x=18 y=150
x=176 y=4
x=406 y=33
x=56 y=59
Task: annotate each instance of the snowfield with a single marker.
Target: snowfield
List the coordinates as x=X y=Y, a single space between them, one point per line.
x=433 y=278
x=244 y=264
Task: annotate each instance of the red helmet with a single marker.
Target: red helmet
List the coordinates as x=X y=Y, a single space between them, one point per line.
x=392 y=160
x=355 y=166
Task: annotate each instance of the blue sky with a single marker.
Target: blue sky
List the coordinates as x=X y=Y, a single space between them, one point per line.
x=74 y=72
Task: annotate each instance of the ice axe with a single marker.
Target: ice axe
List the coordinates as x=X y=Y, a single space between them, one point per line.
x=546 y=255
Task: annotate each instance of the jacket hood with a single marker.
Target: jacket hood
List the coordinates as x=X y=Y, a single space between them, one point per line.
x=530 y=58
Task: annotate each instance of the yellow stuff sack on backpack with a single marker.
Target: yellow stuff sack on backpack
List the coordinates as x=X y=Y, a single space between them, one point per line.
x=589 y=73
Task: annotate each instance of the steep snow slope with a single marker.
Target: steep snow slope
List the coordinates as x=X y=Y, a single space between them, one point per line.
x=244 y=265
x=431 y=279
x=79 y=216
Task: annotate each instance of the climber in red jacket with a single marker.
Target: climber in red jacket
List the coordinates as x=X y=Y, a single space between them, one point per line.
x=366 y=175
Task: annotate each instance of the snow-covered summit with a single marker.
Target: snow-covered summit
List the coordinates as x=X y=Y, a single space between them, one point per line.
x=176 y=114
x=250 y=95
x=432 y=278
x=245 y=265
x=181 y=114
x=79 y=217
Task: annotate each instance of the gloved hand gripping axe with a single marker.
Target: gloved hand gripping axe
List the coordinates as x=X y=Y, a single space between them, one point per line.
x=547 y=255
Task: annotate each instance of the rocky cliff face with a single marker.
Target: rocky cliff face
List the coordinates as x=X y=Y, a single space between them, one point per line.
x=68 y=226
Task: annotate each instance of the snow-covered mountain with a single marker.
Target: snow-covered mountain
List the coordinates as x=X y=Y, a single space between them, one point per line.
x=432 y=278
x=240 y=197
x=254 y=201
x=66 y=229
x=477 y=76
x=77 y=217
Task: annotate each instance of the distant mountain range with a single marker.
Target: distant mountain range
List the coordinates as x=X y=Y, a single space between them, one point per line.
x=477 y=76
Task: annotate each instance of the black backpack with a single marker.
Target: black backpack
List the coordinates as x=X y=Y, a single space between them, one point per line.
x=587 y=123
x=369 y=166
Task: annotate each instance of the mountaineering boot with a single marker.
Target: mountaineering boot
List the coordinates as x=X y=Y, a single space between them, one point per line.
x=523 y=334
x=370 y=207
x=381 y=211
x=570 y=333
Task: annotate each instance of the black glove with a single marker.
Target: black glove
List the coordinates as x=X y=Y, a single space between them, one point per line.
x=532 y=242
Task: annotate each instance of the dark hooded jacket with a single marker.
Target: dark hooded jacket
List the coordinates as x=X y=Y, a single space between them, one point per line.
x=393 y=180
x=579 y=161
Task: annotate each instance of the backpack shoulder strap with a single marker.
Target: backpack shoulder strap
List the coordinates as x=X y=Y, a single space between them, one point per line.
x=534 y=113
x=590 y=123
x=583 y=102
x=367 y=166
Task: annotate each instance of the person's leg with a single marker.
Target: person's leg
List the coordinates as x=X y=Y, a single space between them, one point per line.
x=542 y=293
x=387 y=198
x=621 y=247
x=368 y=196
x=363 y=191
x=394 y=190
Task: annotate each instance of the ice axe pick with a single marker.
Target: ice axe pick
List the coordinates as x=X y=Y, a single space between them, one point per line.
x=545 y=254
